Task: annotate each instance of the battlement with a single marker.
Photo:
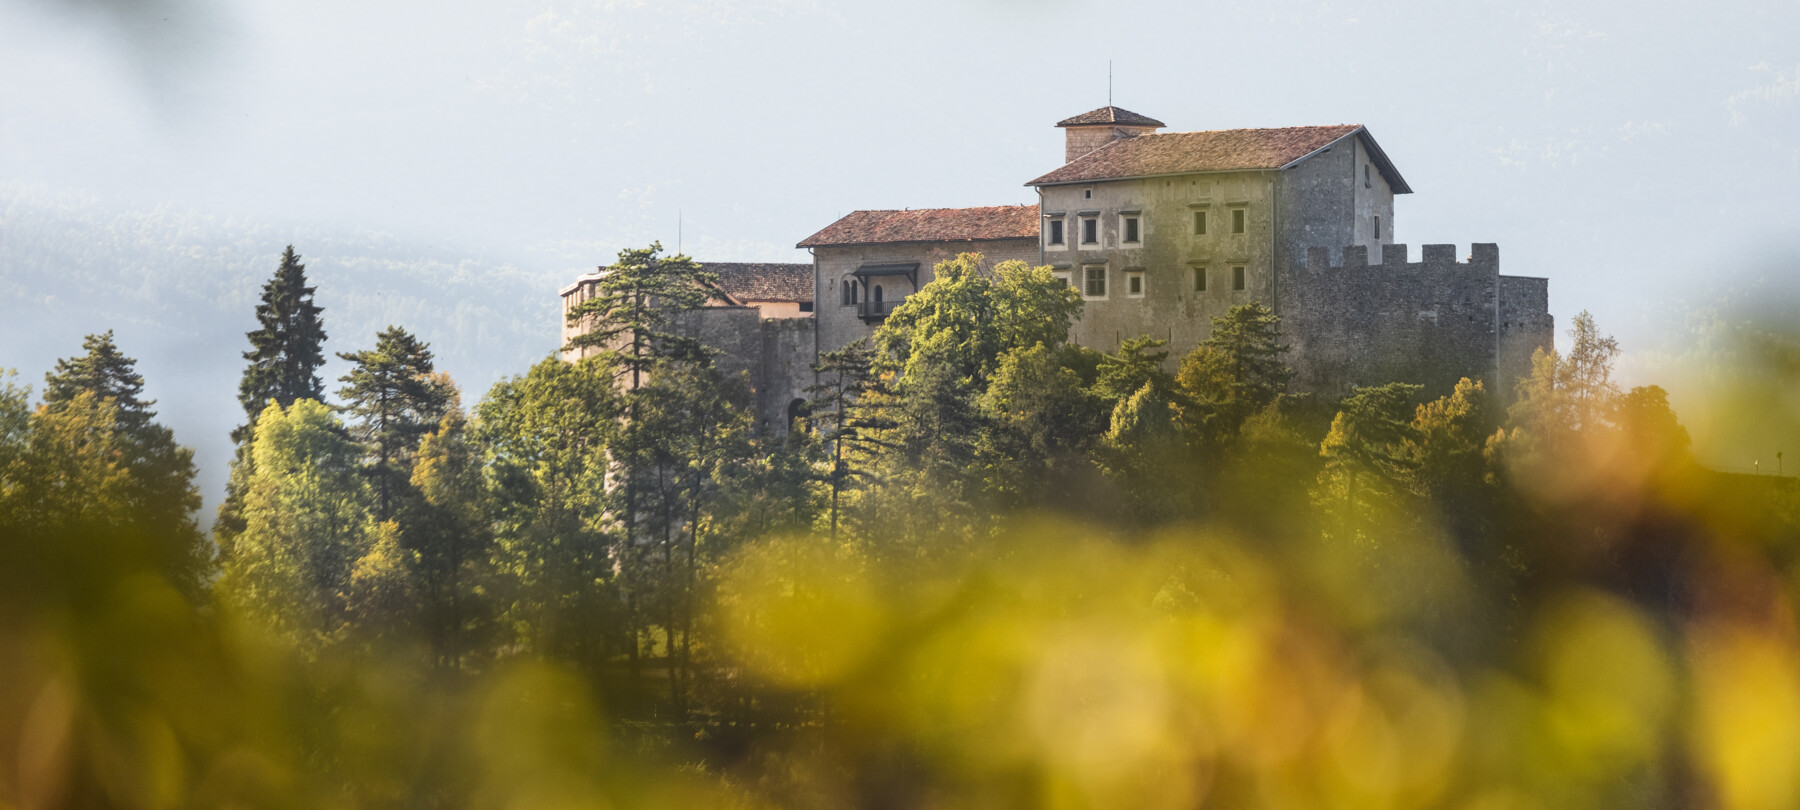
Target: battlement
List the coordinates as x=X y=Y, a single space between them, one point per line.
x=1484 y=257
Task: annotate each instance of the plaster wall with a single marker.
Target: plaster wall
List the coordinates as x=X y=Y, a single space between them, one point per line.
x=1322 y=202
x=1168 y=253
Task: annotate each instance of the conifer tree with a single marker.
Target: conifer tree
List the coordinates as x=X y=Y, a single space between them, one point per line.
x=288 y=347
x=286 y=351
x=848 y=422
x=396 y=400
x=632 y=316
x=160 y=496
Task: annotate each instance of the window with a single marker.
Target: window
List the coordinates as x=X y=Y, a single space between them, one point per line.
x=1087 y=193
x=1237 y=220
x=1366 y=183
x=1094 y=281
x=1129 y=224
x=849 y=292
x=1090 y=230
x=1199 y=223
x=1134 y=284
x=1237 y=277
x=1199 y=279
x=1063 y=276
x=806 y=306
x=1056 y=231
x=877 y=298
x=1378 y=226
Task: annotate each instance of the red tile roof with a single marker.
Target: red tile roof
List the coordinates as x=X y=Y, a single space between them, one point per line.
x=1111 y=115
x=1219 y=150
x=761 y=281
x=930 y=225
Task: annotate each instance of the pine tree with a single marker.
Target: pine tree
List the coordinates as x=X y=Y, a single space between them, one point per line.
x=847 y=423
x=397 y=401
x=285 y=354
x=161 y=498
x=632 y=317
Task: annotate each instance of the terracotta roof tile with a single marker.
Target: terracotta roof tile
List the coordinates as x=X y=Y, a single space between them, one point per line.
x=753 y=281
x=1189 y=152
x=1111 y=115
x=930 y=225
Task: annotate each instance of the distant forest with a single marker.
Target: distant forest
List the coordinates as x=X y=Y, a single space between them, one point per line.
x=985 y=568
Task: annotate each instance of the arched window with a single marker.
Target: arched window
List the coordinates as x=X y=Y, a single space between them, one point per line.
x=878 y=293
x=796 y=410
x=847 y=299
x=855 y=291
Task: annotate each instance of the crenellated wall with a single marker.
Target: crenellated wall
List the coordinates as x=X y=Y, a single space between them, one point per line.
x=1433 y=321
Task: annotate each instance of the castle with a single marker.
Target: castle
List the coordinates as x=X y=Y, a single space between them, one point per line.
x=1161 y=232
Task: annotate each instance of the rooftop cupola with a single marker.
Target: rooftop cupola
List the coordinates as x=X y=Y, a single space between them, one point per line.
x=1091 y=130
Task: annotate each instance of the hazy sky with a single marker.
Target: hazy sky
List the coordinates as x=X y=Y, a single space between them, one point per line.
x=1636 y=153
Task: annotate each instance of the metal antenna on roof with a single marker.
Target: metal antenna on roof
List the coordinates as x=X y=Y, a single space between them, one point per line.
x=1109 y=82
x=678 y=232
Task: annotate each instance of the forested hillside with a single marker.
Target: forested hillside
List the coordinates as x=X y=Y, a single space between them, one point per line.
x=179 y=290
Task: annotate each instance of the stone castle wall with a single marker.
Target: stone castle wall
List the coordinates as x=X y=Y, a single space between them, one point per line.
x=771 y=357
x=1429 y=322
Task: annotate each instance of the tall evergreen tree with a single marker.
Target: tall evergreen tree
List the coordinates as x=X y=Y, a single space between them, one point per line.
x=286 y=351
x=632 y=316
x=847 y=421
x=288 y=347
x=160 y=496
x=396 y=401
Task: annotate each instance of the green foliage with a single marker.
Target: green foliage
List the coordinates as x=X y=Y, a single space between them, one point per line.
x=288 y=346
x=161 y=498
x=547 y=435
x=1236 y=372
x=307 y=514
x=1043 y=424
x=631 y=318
x=452 y=536
x=845 y=407
x=969 y=316
x=395 y=398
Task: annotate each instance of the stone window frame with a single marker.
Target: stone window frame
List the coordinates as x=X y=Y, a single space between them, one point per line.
x=1088 y=278
x=1061 y=219
x=1240 y=218
x=1198 y=227
x=851 y=291
x=1240 y=277
x=1199 y=274
x=1134 y=277
x=1063 y=273
x=1367 y=182
x=1090 y=219
x=1377 y=227
x=1125 y=232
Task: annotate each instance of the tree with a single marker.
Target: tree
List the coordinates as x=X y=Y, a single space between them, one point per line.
x=632 y=317
x=1235 y=373
x=452 y=535
x=849 y=423
x=1043 y=422
x=396 y=401
x=306 y=525
x=287 y=348
x=161 y=497
x=1367 y=446
x=970 y=316
x=547 y=436
x=286 y=351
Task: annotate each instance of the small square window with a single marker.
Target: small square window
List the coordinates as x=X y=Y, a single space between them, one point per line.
x=1134 y=284
x=1087 y=193
x=1062 y=276
x=1237 y=277
x=1094 y=281
x=806 y=306
x=1130 y=226
x=1056 y=232
x=1199 y=223
x=1090 y=230
x=1199 y=279
x=1237 y=220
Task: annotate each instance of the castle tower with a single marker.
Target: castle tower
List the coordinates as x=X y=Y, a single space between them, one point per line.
x=1091 y=130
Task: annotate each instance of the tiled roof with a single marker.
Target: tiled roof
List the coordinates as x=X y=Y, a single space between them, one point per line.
x=1111 y=115
x=930 y=225
x=1219 y=150
x=753 y=281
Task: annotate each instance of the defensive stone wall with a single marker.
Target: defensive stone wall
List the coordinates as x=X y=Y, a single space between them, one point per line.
x=1431 y=322
x=772 y=358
